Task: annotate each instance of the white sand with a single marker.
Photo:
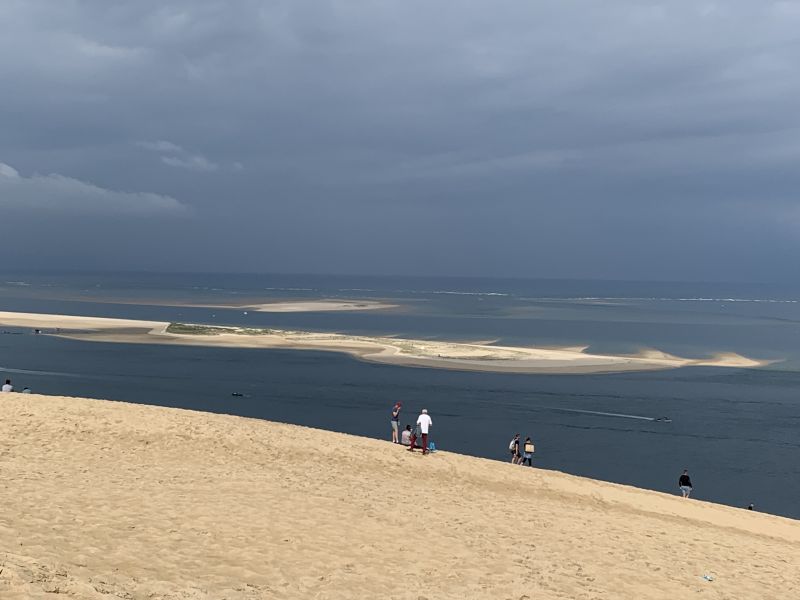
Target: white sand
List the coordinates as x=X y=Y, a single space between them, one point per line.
x=320 y=306
x=105 y=500
x=324 y=305
x=391 y=350
x=50 y=322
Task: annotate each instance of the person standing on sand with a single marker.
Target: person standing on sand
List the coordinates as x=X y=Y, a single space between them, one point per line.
x=396 y=421
x=7 y=387
x=513 y=448
x=424 y=423
x=685 y=484
x=527 y=452
x=414 y=436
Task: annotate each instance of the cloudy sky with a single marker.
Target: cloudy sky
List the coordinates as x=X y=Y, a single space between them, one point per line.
x=613 y=139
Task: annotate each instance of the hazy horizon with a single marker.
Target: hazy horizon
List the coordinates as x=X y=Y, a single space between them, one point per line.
x=442 y=277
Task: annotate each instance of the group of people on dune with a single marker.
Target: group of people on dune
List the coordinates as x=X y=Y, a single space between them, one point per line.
x=521 y=452
x=410 y=436
x=9 y=387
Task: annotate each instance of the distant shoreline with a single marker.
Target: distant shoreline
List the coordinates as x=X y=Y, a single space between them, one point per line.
x=276 y=306
x=464 y=356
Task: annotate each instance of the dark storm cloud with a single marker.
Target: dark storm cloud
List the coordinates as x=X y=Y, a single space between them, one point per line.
x=614 y=139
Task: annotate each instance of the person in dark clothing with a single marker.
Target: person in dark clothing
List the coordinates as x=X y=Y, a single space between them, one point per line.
x=513 y=447
x=527 y=452
x=685 y=484
x=396 y=421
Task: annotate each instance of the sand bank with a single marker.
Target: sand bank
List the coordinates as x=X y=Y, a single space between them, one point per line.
x=289 y=306
x=389 y=350
x=109 y=500
x=320 y=306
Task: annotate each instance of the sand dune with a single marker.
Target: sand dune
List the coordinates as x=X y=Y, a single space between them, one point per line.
x=383 y=349
x=109 y=500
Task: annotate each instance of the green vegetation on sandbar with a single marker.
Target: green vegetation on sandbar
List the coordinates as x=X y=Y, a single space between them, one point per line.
x=198 y=329
x=187 y=329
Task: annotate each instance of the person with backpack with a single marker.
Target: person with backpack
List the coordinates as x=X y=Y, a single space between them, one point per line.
x=513 y=448
x=527 y=452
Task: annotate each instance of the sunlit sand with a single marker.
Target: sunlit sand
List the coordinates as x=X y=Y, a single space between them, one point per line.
x=111 y=500
x=390 y=350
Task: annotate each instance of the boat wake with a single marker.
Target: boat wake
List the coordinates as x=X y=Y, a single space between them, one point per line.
x=609 y=414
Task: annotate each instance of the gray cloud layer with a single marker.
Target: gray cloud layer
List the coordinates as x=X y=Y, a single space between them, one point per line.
x=620 y=139
x=52 y=194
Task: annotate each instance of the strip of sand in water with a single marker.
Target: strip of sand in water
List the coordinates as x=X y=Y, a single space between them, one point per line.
x=321 y=306
x=112 y=500
x=277 y=306
x=289 y=306
x=390 y=350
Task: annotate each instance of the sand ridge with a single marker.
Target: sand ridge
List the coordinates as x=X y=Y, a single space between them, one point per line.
x=111 y=500
x=277 y=306
x=383 y=349
x=327 y=305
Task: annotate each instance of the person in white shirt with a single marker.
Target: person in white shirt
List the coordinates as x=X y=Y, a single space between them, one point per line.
x=405 y=437
x=7 y=387
x=424 y=423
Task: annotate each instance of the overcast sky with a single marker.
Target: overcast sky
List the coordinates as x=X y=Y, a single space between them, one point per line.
x=606 y=139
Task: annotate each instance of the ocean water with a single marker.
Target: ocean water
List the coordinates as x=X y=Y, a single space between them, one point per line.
x=736 y=430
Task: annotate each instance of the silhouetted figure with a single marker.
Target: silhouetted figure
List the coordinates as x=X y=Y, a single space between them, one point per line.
x=685 y=484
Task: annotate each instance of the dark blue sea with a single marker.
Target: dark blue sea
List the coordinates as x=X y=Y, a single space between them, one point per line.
x=736 y=430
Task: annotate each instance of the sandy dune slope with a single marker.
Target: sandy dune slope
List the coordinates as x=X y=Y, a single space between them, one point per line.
x=106 y=500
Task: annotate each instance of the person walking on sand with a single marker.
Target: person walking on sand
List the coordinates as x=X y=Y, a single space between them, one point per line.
x=396 y=421
x=685 y=484
x=513 y=448
x=7 y=387
x=424 y=423
x=527 y=452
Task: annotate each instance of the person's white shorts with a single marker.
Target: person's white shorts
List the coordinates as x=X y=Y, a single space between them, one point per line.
x=394 y=426
x=686 y=489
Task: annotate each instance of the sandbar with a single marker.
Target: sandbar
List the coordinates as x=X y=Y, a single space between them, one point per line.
x=289 y=306
x=383 y=349
x=277 y=306
x=112 y=500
